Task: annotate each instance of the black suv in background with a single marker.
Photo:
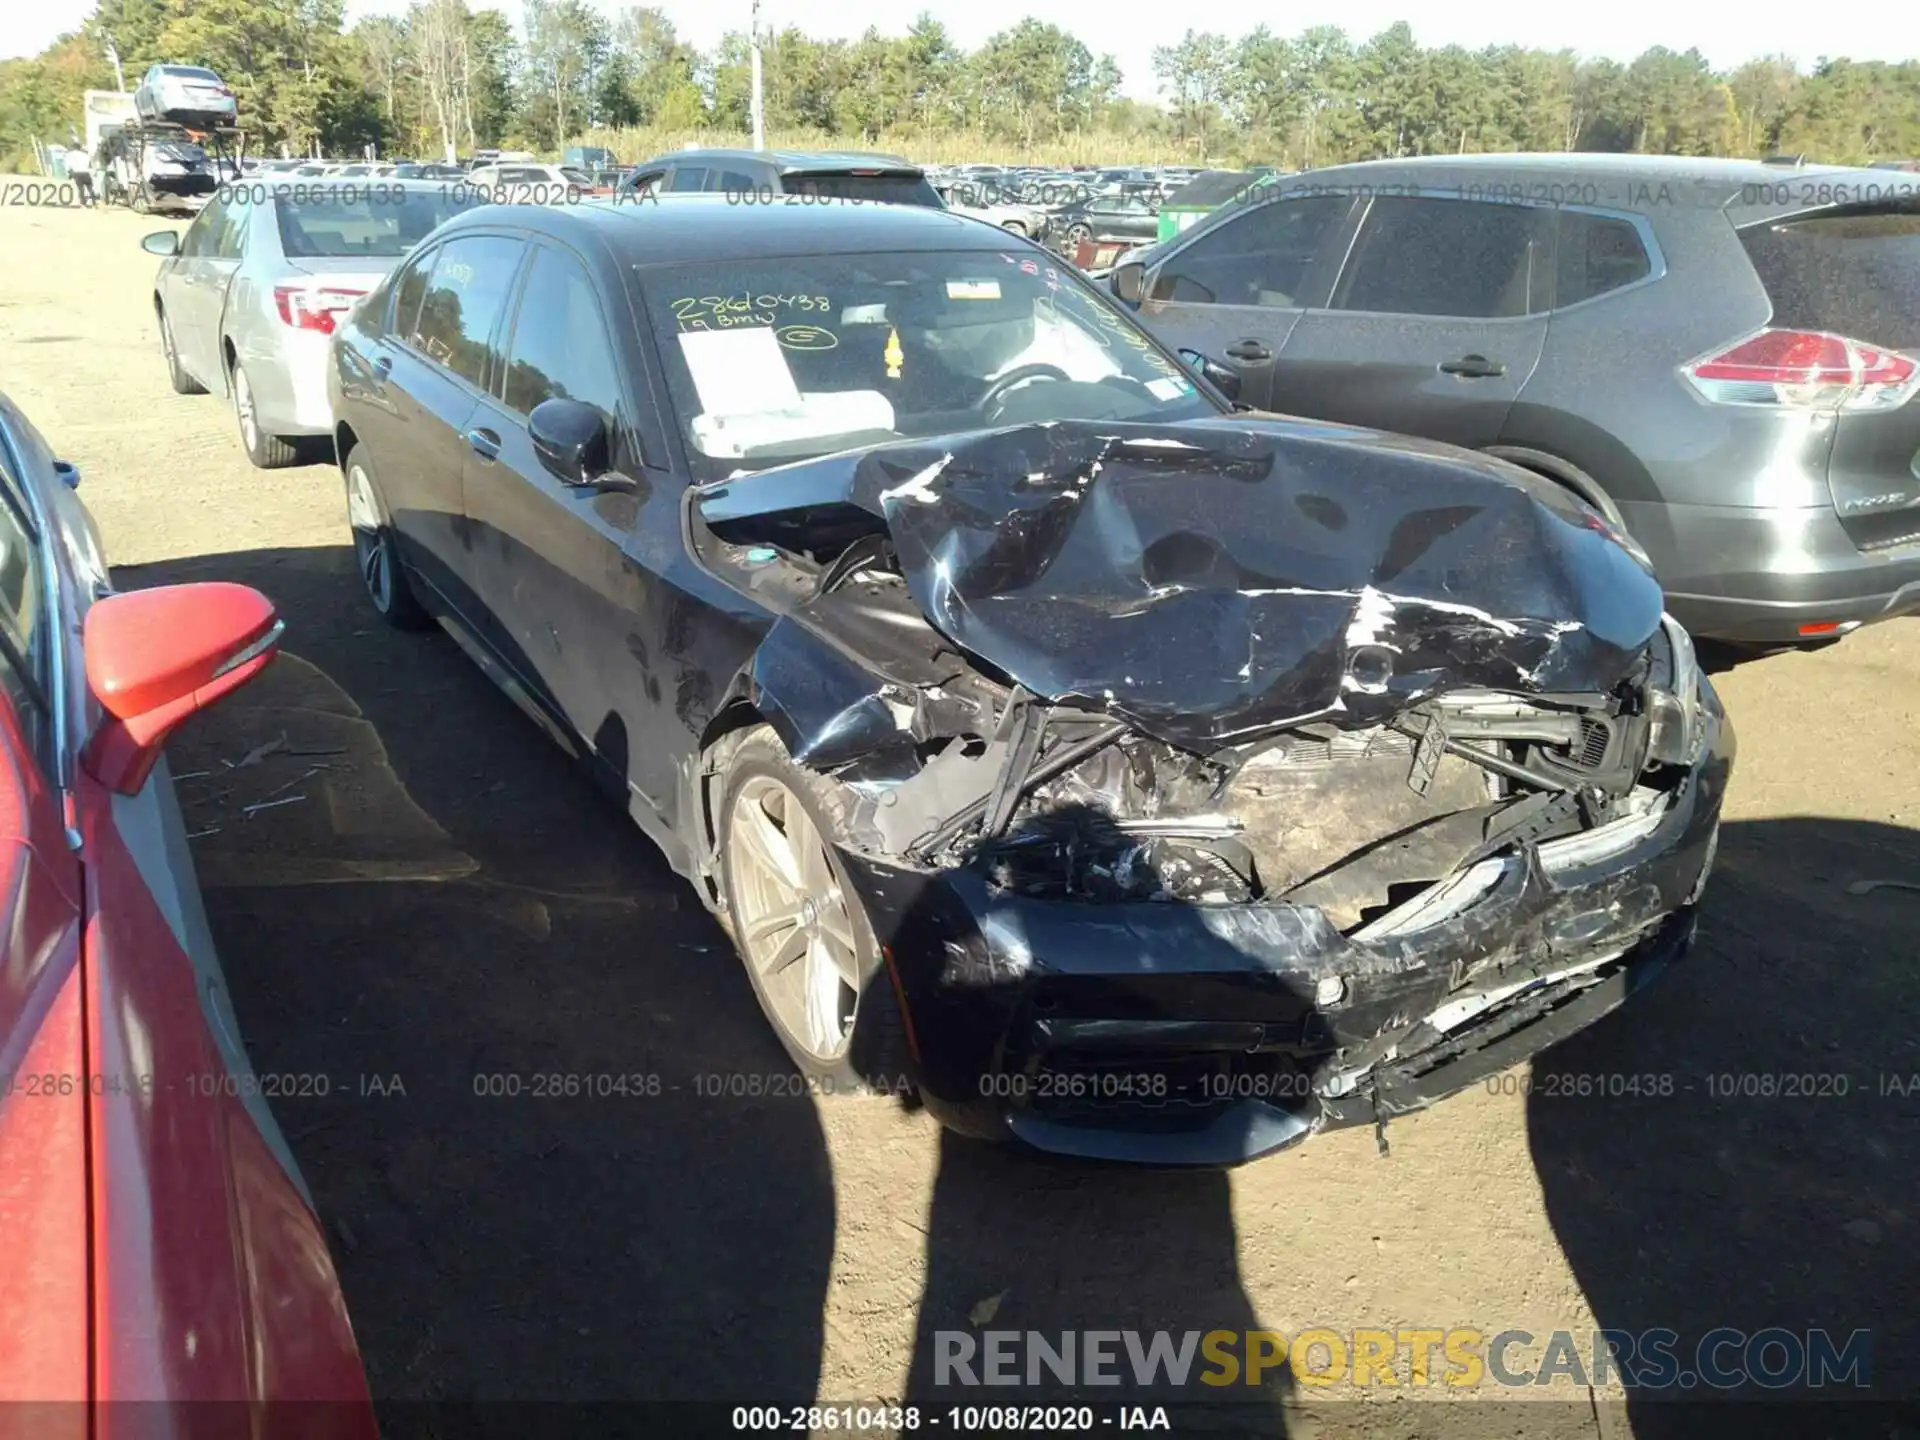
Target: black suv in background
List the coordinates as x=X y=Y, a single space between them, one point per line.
x=762 y=174
x=1720 y=356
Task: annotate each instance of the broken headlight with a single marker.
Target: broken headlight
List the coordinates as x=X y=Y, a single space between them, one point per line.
x=1676 y=733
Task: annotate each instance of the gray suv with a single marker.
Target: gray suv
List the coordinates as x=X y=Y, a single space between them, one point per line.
x=1721 y=356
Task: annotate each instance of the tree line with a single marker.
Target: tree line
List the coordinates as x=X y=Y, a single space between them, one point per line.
x=449 y=75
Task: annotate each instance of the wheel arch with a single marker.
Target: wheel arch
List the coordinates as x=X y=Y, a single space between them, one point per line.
x=1562 y=472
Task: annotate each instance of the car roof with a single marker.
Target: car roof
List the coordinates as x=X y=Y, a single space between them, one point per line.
x=710 y=227
x=1719 y=173
x=789 y=159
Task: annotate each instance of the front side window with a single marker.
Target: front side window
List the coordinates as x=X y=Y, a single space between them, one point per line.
x=560 y=348
x=1465 y=258
x=779 y=359
x=1262 y=256
x=203 y=236
x=461 y=307
x=689 y=177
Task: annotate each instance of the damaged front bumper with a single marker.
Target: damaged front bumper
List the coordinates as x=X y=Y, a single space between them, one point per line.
x=1191 y=1034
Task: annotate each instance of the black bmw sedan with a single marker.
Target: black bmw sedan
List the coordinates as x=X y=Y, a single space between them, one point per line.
x=1138 y=777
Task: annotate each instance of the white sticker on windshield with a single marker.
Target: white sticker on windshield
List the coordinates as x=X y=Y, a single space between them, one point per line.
x=973 y=289
x=1168 y=388
x=739 y=372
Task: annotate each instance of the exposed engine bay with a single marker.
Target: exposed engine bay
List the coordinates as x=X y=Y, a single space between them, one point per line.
x=1346 y=762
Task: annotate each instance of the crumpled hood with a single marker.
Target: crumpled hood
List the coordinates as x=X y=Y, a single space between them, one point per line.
x=1209 y=580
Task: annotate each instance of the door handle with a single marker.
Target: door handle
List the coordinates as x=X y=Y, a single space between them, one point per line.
x=1473 y=367
x=1248 y=350
x=383 y=366
x=485 y=443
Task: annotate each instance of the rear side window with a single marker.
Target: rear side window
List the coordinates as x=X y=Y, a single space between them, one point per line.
x=688 y=177
x=406 y=296
x=1597 y=253
x=876 y=189
x=461 y=307
x=1853 y=272
x=1464 y=258
x=736 y=183
x=1260 y=257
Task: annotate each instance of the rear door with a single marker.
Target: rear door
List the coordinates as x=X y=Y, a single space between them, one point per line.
x=1437 y=319
x=444 y=348
x=193 y=294
x=1236 y=290
x=1854 y=271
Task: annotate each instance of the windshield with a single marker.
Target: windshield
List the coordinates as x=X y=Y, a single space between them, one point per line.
x=575 y=175
x=376 y=220
x=775 y=360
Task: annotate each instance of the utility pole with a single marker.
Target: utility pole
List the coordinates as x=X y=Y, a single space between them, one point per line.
x=113 y=54
x=759 y=110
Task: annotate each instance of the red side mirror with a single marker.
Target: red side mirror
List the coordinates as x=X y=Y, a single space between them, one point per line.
x=154 y=657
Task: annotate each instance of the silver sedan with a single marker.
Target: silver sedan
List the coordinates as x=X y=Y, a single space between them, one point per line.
x=248 y=296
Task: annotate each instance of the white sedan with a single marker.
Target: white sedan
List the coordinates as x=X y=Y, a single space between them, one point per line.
x=185 y=95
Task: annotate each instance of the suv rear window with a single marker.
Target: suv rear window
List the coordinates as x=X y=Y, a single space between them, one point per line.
x=910 y=188
x=1852 y=271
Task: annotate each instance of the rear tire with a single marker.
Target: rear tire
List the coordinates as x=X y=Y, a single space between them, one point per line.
x=374 y=552
x=818 y=974
x=267 y=452
x=183 y=383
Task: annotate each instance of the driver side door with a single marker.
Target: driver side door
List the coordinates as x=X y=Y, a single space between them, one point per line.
x=192 y=296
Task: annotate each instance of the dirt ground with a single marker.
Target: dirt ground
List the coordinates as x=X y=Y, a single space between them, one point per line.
x=450 y=900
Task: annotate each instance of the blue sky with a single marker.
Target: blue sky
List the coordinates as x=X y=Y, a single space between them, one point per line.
x=1726 y=31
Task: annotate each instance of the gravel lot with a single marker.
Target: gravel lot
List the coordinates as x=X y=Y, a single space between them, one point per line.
x=451 y=900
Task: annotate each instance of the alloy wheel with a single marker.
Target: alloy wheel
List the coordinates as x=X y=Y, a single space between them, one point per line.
x=243 y=407
x=792 y=919
x=369 y=541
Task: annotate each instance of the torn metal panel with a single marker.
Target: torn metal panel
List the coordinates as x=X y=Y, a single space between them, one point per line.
x=826 y=709
x=1210 y=581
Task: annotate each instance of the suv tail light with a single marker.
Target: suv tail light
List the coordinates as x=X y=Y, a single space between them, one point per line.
x=1806 y=369
x=307 y=307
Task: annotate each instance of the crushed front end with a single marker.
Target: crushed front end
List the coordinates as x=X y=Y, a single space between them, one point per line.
x=1239 y=793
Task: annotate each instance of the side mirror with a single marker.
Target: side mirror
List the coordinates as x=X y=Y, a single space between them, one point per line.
x=68 y=472
x=571 y=439
x=1223 y=378
x=1129 y=282
x=154 y=657
x=162 y=242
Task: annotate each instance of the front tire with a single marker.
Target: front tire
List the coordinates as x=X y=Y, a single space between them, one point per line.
x=1076 y=234
x=374 y=553
x=799 y=925
x=267 y=452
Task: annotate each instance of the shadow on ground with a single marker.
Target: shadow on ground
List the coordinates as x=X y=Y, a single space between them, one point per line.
x=450 y=911
x=1775 y=1182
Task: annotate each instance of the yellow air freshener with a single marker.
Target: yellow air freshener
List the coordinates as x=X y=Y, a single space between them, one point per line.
x=894 y=357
